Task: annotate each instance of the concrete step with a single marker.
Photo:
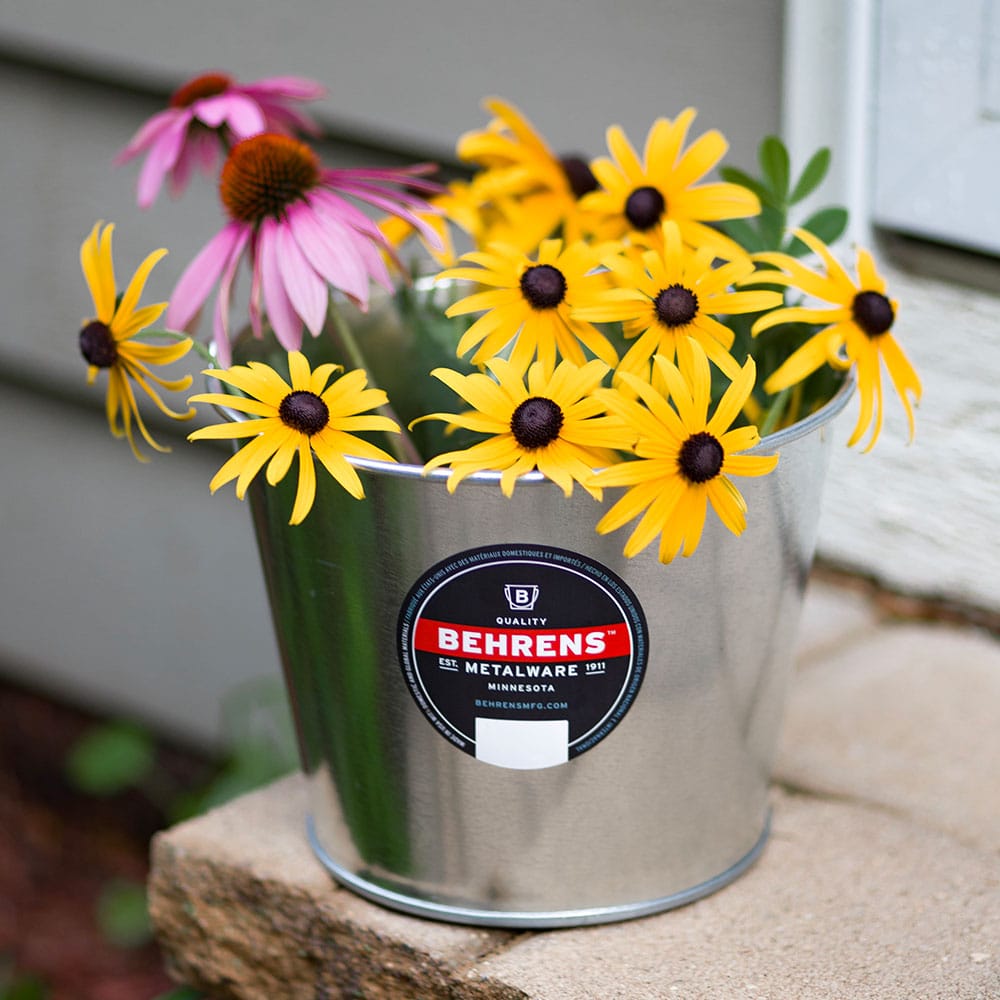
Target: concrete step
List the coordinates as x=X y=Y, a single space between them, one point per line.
x=881 y=879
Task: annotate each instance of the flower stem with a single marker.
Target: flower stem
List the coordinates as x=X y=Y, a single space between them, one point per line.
x=774 y=412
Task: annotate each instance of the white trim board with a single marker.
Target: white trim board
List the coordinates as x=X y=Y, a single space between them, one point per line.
x=919 y=518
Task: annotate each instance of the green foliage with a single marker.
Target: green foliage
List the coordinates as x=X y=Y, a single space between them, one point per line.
x=778 y=196
x=181 y=993
x=257 y=728
x=111 y=758
x=775 y=165
x=121 y=756
x=417 y=338
x=16 y=985
x=122 y=914
x=828 y=224
x=812 y=175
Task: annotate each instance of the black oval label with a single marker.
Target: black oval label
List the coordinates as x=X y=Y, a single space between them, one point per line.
x=523 y=656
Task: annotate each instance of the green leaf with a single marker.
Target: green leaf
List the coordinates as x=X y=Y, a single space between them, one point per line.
x=776 y=167
x=828 y=224
x=24 y=987
x=250 y=767
x=111 y=758
x=736 y=176
x=123 y=915
x=181 y=993
x=812 y=176
x=744 y=234
x=774 y=413
x=772 y=222
x=258 y=729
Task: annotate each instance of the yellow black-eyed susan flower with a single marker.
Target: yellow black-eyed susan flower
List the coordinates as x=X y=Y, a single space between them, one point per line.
x=532 y=301
x=685 y=457
x=856 y=325
x=541 y=191
x=636 y=195
x=666 y=295
x=308 y=418
x=107 y=342
x=553 y=424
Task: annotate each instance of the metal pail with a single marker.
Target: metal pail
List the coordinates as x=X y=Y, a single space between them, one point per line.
x=504 y=721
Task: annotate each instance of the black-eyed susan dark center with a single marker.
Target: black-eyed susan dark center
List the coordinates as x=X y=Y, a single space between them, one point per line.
x=580 y=177
x=304 y=412
x=872 y=311
x=97 y=345
x=536 y=422
x=701 y=458
x=676 y=306
x=644 y=208
x=543 y=286
x=206 y=85
x=265 y=174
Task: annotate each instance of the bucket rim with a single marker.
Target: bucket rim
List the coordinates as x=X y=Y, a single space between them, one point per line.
x=767 y=445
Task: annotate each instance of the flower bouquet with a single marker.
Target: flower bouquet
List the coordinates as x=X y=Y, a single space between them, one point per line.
x=576 y=345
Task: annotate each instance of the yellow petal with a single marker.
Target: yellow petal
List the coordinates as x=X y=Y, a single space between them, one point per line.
x=730 y=508
x=621 y=149
x=868 y=277
x=337 y=465
x=281 y=461
x=130 y=299
x=698 y=159
x=298 y=371
x=803 y=362
x=733 y=399
x=251 y=456
x=98 y=270
x=306 y=492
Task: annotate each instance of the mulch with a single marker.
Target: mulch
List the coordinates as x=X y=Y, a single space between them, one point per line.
x=58 y=850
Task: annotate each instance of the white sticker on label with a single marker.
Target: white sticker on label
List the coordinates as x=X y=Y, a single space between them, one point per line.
x=522 y=744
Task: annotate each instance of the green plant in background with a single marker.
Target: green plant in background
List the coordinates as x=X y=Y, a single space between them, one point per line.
x=122 y=913
x=258 y=732
x=778 y=195
x=111 y=758
x=120 y=756
x=17 y=985
x=256 y=729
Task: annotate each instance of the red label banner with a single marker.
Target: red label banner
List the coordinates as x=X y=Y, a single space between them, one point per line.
x=522 y=644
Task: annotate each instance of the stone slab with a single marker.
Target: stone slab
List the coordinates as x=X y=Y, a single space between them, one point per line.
x=832 y=615
x=847 y=901
x=242 y=909
x=907 y=717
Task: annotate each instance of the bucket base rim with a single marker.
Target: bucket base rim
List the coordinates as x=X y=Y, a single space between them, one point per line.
x=583 y=917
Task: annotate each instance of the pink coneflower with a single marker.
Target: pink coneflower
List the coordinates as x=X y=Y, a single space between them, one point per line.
x=300 y=234
x=208 y=114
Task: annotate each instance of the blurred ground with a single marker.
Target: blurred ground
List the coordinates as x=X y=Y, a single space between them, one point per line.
x=59 y=849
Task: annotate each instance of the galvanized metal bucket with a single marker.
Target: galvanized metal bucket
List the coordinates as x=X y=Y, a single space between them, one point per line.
x=454 y=771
